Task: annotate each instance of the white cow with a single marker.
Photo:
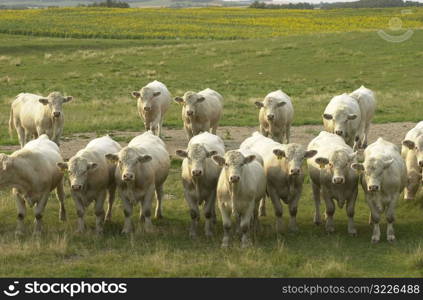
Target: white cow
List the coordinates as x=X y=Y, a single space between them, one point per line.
x=33 y=115
x=142 y=169
x=199 y=177
x=153 y=101
x=92 y=179
x=384 y=178
x=201 y=111
x=332 y=178
x=276 y=116
x=412 y=152
x=241 y=185
x=32 y=173
x=284 y=173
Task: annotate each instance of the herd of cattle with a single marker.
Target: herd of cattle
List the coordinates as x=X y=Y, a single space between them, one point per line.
x=337 y=159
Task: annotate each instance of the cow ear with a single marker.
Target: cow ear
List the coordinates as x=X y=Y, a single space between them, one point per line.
x=322 y=161
x=182 y=153
x=201 y=99
x=352 y=117
x=357 y=167
x=211 y=153
x=67 y=99
x=279 y=153
x=310 y=153
x=135 y=94
x=219 y=160
x=111 y=157
x=387 y=163
x=259 y=104
x=92 y=166
x=144 y=158
x=249 y=159
x=178 y=100
x=155 y=94
x=43 y=101
x=62 y=166
x=280 y=104
x=327 y=116
x=409 y=144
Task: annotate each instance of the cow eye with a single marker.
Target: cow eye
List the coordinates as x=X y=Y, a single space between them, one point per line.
x=226 y=165
x=330 y=165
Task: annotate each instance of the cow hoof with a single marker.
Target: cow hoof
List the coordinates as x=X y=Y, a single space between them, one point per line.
x=19 y=233
x=317 y=221
x=262 y=213
x=62 y=216
x=294 y=229
x=375 y=240
x=224 y=245
x=391 y=239
x=330 y=230
x=353 y=233
x=126 y=231
x=192 y=236
x=158 y=217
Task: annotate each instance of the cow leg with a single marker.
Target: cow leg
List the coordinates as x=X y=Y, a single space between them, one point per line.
x=288 y=133
x=127 y=210
x=38 y=211
x=194 y=212
x=390 y=218
x=277 y=205
x=330 y=211
x=375 y=215
x=60 y=193
x=21 y=135
x=188 y=132
x=111 y=200
x=246 y=219
x=214 y=129
x=159 y=195
x=20 y=204
x=293 y=208
x=145 y=213
x=350 y=207
x=226 y=212
x=208 y=213
x=99 y=211
x=80 y=212
x=316 y=197
x=262 y=207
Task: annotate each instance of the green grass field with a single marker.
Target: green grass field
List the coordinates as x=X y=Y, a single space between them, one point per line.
x=312 y=68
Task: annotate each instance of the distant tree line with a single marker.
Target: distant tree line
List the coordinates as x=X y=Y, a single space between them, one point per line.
x=324 y=5
x=108 y=3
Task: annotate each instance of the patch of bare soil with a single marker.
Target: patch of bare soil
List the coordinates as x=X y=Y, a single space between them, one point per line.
x=232 y=136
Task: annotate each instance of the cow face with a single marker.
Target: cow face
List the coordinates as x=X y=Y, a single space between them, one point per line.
x=233 y=163
x=78 y=170
x=270 y=107
x=294 y=155
x=417 y=147
x=147 y=97
x=128 y=160
x=338 y=164
x=340 y=121
x=373 y=169
x=55 y=101
x=196 y=157
x=190 y=102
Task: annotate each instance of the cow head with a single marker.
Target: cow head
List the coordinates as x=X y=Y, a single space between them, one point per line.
x=294 y=155
x=147 y=98
x=196 y=156
x=55 y=101
x=270 y=107
x=373 y=169
x=128 y=160
x=338 y=164
x=190 y=101
x=233 y=163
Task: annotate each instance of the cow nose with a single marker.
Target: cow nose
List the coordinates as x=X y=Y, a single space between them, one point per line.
x=128 y=176
x=373 y=188
x=234 y=178
x=339 y=132
x=295 y=171
x=197 y=172
x=56 y=114
x=147 y=108
x=190 y=113
x=270 y=117
x=421 y=163
x=338 y=180
x=76 y=187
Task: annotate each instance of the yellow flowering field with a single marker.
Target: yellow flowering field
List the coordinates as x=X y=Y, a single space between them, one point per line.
x=197 y=23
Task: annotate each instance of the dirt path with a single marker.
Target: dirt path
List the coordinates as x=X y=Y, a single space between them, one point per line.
x=233 y=136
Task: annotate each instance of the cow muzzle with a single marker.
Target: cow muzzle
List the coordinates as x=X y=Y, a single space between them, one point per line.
x=128 y=177
x=338 y=180
x=76 y=187
x=190 y=113
x=373 y=188
x=196 y=173
x=147 y=108
x=294 y=172
x=56 y=114
x=234 y=179
x=339 y=132
x=270 y=117
x=421 y=163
